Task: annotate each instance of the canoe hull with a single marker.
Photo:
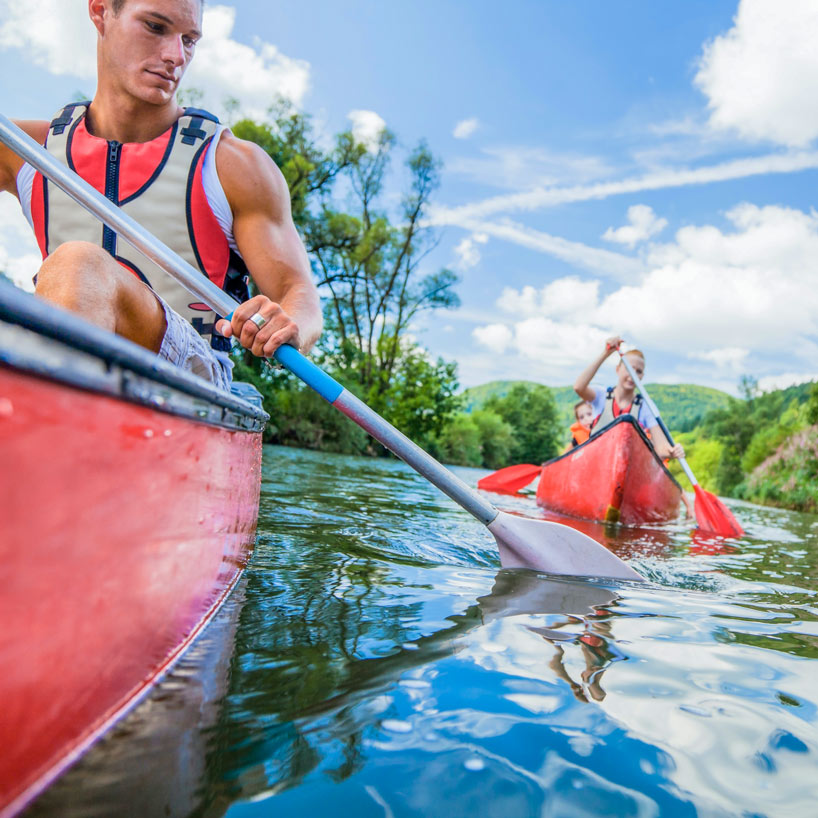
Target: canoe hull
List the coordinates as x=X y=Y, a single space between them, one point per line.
x=124 y=528
x=613 y=477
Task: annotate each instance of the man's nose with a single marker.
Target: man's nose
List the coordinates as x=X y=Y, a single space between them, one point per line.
x=173 y=51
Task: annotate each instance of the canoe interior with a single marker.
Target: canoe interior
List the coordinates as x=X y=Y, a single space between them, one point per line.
x=615 y=476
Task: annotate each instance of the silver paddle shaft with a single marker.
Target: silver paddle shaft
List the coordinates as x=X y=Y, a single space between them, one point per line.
x=655 y=409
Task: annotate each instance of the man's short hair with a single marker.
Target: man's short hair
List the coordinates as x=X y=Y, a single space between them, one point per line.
x=117 y=5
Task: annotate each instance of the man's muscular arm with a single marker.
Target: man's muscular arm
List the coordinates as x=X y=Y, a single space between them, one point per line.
x=10 y=162
x=271 y=248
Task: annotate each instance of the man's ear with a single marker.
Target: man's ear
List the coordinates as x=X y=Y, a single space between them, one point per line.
x=98 y=11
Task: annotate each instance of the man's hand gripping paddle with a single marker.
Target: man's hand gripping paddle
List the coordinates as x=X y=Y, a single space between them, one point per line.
x=711 y=514
x=522 y=543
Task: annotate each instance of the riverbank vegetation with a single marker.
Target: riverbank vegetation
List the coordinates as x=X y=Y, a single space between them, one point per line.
x=368 y=246
x=762 y=448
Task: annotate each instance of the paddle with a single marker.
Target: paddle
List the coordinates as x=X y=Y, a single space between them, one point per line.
x=711 y=513
x=510 y=479
x=522 y=543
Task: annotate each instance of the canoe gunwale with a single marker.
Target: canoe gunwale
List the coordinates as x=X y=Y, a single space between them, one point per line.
x=38 y=338
x=594 y=437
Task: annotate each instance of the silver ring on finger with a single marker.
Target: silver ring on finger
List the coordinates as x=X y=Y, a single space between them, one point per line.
x=258 y=319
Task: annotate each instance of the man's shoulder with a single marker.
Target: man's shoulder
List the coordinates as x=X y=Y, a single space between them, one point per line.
x=241 y=152
x=246 y=170
x=36 y=128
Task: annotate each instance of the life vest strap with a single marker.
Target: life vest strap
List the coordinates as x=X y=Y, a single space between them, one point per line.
x=58 y=125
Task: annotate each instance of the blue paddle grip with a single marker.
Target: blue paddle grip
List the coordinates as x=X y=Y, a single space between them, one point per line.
x=326 y=386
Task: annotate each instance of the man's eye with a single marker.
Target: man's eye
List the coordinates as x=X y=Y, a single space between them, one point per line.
x=189 y=42
x=156 y=28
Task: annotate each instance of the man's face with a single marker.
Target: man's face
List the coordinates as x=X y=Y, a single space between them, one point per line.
x=146 y=48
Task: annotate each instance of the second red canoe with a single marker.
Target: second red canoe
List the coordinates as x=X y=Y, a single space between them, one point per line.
x=616 y=476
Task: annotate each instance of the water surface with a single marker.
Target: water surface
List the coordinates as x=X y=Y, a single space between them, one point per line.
x=384 y=665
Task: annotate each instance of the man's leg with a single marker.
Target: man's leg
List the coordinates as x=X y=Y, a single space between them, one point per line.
x=86 y=280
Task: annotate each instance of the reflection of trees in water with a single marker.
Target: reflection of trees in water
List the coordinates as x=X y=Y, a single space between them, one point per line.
x=327 y=640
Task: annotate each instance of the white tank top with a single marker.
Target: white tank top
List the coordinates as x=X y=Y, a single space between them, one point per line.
x=210 y=180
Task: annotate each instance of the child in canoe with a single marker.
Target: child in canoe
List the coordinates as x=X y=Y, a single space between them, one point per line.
x=621 y=398
x=581 y=429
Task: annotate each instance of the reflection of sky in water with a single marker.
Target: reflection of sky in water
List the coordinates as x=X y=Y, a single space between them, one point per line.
x=384 y=666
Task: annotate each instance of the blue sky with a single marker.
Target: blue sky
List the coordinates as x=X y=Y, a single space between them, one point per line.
x=634 y=167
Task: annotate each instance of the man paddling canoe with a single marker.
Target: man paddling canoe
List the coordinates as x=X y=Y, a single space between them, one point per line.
x=622 y=398
x=218 y=201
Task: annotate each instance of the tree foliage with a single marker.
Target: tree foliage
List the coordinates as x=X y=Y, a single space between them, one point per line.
x=370 y=265
x=532 y=414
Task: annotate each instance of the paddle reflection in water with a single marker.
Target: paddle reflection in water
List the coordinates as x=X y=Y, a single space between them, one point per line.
x=361 y=683
x=585 y=622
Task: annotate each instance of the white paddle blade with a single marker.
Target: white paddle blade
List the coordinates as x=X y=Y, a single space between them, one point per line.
x=554 y=548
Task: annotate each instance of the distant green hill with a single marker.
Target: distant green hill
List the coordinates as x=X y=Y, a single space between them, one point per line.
x=681 y=404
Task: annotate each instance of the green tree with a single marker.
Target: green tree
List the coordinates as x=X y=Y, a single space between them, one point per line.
x=497 y=440
x=812 y=405
x=459 y=442
x=532 y=414
x=369 y=262
x=371 y=268
x=420 y=398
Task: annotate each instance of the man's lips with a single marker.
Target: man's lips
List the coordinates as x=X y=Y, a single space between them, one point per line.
x=169 y=78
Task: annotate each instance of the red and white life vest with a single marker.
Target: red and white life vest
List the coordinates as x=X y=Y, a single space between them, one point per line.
x=611 y=411
x=157 y=183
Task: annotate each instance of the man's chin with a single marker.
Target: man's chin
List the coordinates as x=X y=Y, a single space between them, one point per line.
x=153 y=95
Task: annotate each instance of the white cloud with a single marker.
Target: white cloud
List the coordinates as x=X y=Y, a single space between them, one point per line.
x=566 y=298
x=732 y=359
x=367 y=127
x=54 y=34
x=792 y=162
x=496 y=337
x=736 y=299
x=519 y=166
x=58 y=36
x=603 y=262
x=465 y=128
x=19 y=255
x=468 y=253
x=643 y=223
x=761 y=77
x=782 y=381
x=254 y=75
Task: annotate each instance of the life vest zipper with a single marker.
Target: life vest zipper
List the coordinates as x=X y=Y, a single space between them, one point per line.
x=111 y=192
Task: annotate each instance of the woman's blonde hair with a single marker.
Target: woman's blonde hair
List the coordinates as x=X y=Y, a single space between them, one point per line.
x=635 y=352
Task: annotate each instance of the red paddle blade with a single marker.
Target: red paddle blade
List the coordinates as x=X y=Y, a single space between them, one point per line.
x=713 y=515
x=510 y=479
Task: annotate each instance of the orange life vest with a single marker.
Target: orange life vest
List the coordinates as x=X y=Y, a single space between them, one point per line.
x=579 y=434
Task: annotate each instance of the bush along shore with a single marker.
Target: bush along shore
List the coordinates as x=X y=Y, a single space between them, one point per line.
x=763 y=448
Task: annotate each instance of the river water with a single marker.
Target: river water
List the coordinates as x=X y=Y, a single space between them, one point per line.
x=380 y=663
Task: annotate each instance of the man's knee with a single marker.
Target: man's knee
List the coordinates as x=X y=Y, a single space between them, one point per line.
x=73 y=262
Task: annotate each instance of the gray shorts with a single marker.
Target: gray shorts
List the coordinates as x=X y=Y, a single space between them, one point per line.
x=182 y=346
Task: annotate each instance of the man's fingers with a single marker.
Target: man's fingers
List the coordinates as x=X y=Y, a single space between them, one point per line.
x=276 y=329
x=285 y=336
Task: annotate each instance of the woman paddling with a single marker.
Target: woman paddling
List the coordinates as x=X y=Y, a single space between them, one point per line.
x=622 y=399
